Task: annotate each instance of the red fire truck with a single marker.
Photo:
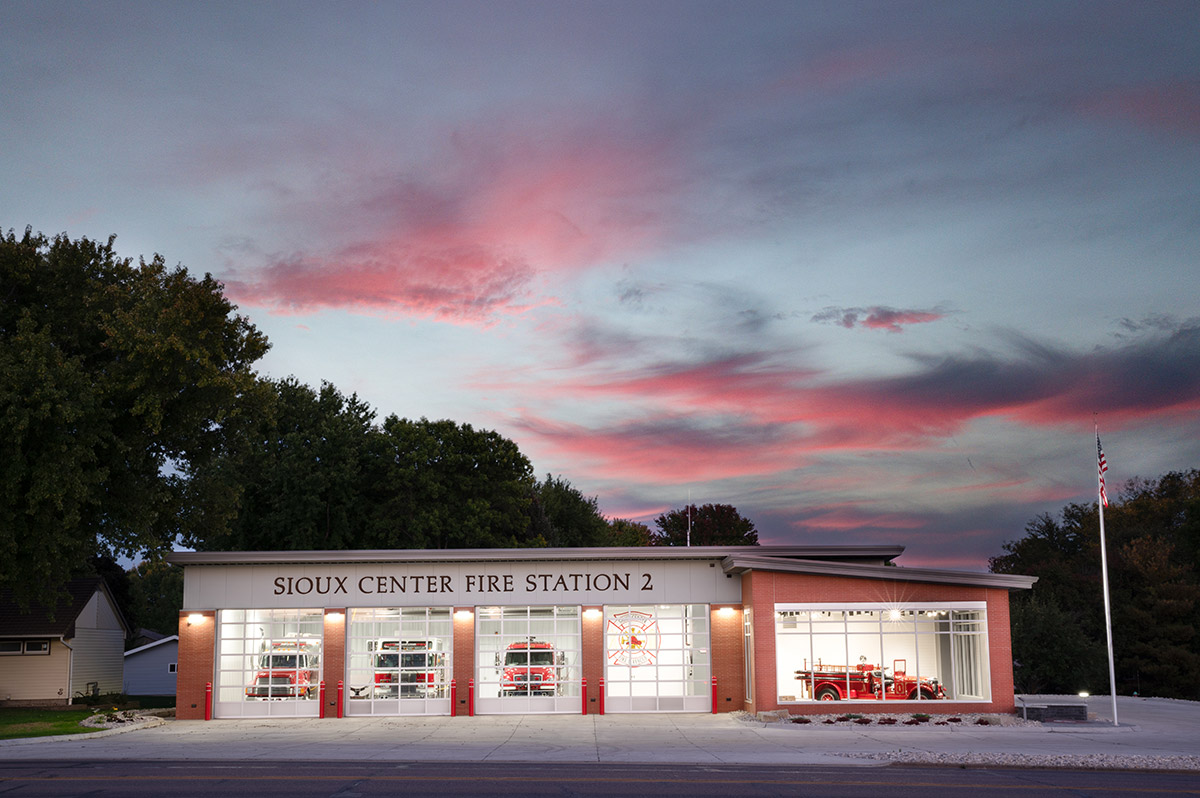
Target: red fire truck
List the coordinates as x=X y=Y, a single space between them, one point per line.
x=531 y=667
x=290 y=669
x=867 y=681
x=409 y=668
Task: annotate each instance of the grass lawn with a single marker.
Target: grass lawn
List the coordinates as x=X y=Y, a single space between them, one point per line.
x=20 y=722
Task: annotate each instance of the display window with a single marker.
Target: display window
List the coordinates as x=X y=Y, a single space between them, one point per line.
x=399 y=661
x=870 y=652
x=657 y=658
x=268 y=662
x=528 y=659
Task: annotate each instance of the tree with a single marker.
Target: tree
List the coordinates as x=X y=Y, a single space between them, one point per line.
x=443 y=485
x=296 y=480
x=115 y=379
x=711 y=525
x=623 y=532
x=562 y=516
x=1152 y=535
x=156 y=590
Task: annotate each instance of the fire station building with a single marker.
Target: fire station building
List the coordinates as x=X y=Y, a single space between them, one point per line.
x=594 y=630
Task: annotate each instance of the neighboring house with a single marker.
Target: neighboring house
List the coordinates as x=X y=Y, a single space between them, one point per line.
x=141 y=636
x=150 y=669
x=50 y=657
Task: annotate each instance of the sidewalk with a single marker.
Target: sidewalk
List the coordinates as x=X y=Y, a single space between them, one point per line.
x=1155 y=733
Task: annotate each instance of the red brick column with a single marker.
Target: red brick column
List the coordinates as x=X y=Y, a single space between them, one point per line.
x=197 y=644
x=727 y=656
x=1000 y=660
x=333 y=658
x=593 y=656
x=464 y=653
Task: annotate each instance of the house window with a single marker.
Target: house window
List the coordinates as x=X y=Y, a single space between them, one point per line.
x=171 y=667
x=14 y=647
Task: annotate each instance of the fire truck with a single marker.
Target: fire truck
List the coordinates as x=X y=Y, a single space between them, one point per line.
x=290 y=669
x=408 y=668
x=531 y=667
x=867 y=681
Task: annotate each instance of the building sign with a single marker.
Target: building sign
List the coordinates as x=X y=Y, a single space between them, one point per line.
x=637 y=639
x=457 y=584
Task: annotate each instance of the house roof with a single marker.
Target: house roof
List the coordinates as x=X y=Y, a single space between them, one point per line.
x=57 y=620
x=171 y=639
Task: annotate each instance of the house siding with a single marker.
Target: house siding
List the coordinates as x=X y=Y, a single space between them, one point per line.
x=148 y=672
x=99 y=657
x=37 y=678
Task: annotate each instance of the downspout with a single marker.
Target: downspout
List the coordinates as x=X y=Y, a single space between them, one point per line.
x=70 y=668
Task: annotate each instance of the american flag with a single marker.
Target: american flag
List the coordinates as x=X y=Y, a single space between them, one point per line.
x=1102 y=464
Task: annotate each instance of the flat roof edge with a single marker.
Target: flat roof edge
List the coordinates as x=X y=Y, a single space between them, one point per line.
x=743 y=563
x=529 y=555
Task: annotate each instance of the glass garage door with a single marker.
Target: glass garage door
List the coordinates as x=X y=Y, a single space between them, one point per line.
x=399 y=661
x=268 y=663
x=528 y=660
x=657 y=658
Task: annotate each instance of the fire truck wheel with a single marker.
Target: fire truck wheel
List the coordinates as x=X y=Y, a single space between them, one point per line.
x=827 y=694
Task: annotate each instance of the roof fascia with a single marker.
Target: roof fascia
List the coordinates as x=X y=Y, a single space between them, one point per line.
x=736 y=564
x=885 y=553
x=152 y=645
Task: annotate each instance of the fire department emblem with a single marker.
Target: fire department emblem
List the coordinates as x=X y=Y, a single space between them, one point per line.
x=636 y=637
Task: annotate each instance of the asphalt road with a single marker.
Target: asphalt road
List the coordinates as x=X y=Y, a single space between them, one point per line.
x=439 y=780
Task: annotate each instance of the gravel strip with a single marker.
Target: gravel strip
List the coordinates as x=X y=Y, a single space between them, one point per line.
x=1068 y=761
x=969 y=723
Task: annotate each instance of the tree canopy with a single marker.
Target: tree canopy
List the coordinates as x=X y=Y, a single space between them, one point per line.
x=115 y=377
x=317 y=472
x=710 y=524
x=1153 y=538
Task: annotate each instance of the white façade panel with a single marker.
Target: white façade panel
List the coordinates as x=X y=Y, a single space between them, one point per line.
x=401 y=584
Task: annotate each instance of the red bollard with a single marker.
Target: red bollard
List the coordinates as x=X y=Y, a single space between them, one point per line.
x=471 y=698
x=453 y=698
x=321 y=698
x=341 y=696
x=601 y=695
x=714 y=695
x=584 y=695
x=208 y=700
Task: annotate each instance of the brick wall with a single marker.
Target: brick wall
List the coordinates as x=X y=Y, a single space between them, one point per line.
x=761 y=590
x=593 y=656
x=333 y=659
x=727 y=654
x=464 y=654
x=195 y=665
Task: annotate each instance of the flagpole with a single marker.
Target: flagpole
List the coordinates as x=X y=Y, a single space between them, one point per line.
x=1101 y=467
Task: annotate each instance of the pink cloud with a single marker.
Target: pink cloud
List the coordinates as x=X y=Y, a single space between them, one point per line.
x=747 y=414
x=665 y=449
x=877 y=317
x=467 y=242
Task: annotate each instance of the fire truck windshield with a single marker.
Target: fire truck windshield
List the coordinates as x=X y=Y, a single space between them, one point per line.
x=536 y=658
x=279 y=661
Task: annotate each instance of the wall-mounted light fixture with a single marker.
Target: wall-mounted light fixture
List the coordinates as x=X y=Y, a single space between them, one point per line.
x=195 y=619
x=463 y=615
x=725 y=612
x=592 y=613
x=336 y=616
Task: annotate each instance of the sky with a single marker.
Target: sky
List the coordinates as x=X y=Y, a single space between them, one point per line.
x=869 y=272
